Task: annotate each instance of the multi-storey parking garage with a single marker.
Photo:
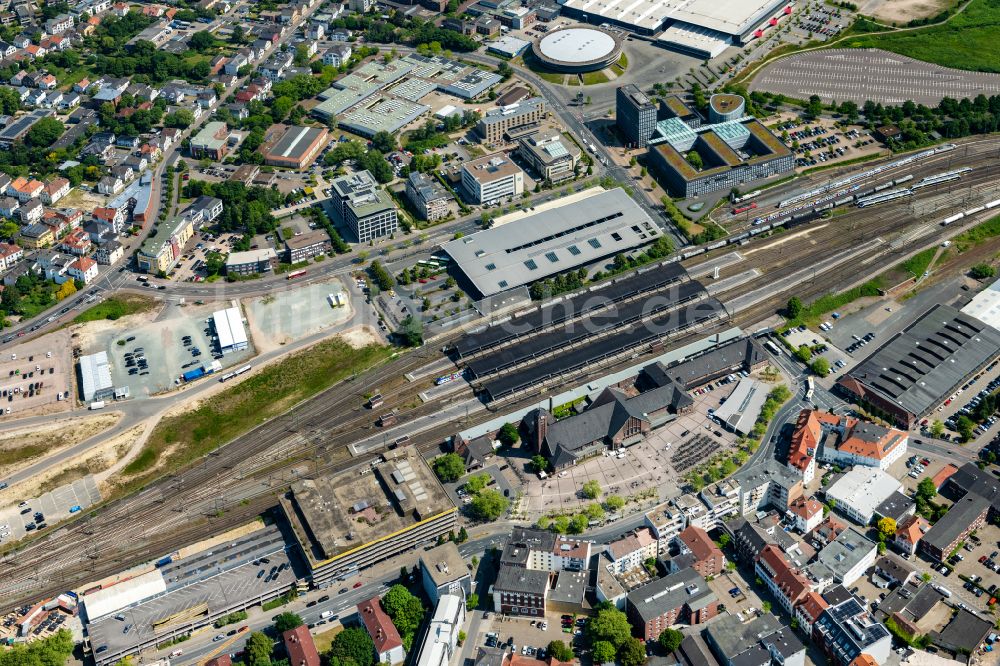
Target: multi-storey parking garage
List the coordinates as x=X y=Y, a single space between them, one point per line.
x=568 y=309
x=596 y=324
x=650 y=332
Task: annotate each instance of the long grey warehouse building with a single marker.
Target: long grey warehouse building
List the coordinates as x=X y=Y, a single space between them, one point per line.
x=922 y=365
x=551 y=241
x=732 y=20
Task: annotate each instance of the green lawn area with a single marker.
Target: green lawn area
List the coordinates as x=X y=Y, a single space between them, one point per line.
x=590 y=78
x=115 y=307
x=813 y=313
x=978 y=234
x=967 y=41
x=244 y=406
x=918 y=263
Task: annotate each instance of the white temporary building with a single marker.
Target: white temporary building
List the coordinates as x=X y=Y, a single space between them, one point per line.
x=229 y=327
x=95 y=377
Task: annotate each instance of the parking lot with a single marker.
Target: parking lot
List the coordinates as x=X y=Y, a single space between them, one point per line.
x=819 y=347
x=822 y=141
x=744 y=604
x=35 y=375
x=160 y=344
x=527 y=635
x=53 y=506
x=879 y=76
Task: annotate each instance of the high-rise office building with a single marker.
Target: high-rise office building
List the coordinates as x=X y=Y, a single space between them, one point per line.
x=635 y=115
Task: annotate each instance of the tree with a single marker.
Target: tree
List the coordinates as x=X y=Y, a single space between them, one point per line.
x=578 y=523
x=803 y=353
x=384 y=142
x=411 y=331
x=471 y=601
x=238 y=35
x=382 y=277
x=820 y=366
x=202 y=40
x=405 y=611
x=463 y=535
x=560 y=651
x=614 y=502
x=258 y=649
x=449 y=467
x=611 y=625
x=670 y=639
x=66 y=289
x=44 y=133
x=179 y=119
x=488 y=505
x=765 y=606
x=926 y=490
x=723 y=540
x=886 y=528
x=815 y=106
x=982 y=271
x=794 y=307
x=965 y=426
x=603 y=652
x=508 y=434
x=476 y=483
x=352 y=646
x=633 y=653
x=937 y=428
x=285 y=621
x=539 y=463
x=592 y=489
x=694 y=159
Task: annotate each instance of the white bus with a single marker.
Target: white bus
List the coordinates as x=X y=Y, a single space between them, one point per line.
x=810 y=387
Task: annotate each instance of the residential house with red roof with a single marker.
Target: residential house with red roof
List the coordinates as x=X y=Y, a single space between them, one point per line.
x=829 y=529
x=808 y=514
x=24 y=189
x=54 y=190
x=300 y=647
x=909 y=533
x=83 y=269
x=806 y=437
x=708 y=560
x=388 y=644
x=808 y=609
x=76 y=242
x=10 y=254
x=783 y=580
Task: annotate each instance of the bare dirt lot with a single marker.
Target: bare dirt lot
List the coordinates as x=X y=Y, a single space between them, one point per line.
x=903 y=11
x=286 y=316
x=23 y=446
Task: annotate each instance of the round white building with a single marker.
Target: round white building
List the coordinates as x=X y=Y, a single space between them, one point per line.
x=578 y=49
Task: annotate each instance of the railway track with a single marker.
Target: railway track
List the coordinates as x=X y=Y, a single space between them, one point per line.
x=244 y=478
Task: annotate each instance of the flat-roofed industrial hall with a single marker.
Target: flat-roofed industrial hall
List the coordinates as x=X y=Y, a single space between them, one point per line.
x=551 y=241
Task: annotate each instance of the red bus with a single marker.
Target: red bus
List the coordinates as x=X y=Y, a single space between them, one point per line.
x=295 y=274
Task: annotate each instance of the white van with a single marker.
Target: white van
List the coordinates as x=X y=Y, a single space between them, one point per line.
x=326 y=614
